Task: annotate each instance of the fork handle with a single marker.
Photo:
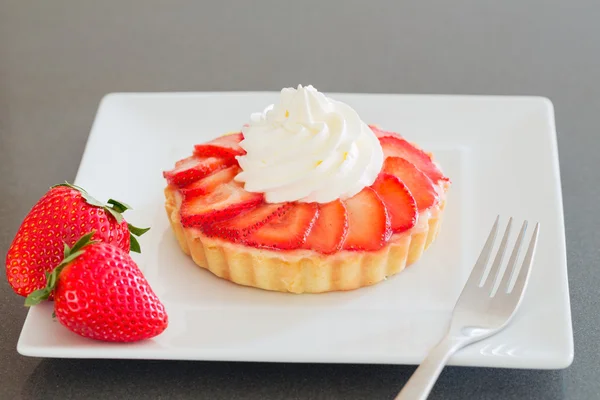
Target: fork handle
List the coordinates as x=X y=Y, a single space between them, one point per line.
x=421 y=382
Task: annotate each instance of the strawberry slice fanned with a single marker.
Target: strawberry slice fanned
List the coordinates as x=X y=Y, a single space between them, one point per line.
x=236 y=229
x=227 y=146
x=400 y=204
x=226 y=201
x=368 y=222
x=381 y=133
x=193 y=168
x=330 y=229
x=288 y=231
x=210 y=182
x=394 y=146
x=419 y=185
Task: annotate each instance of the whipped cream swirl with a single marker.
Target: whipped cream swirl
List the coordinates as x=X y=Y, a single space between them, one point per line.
x=308 y=148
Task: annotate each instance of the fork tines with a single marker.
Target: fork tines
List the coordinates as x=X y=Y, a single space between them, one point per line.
x=488 y=279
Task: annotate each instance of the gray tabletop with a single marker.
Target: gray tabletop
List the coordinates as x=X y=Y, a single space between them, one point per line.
x=58 y=58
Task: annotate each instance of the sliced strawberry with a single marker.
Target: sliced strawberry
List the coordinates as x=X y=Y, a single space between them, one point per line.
x=288 y=231
x=368 y=222
x=226 y=201
x=329 y=231
x=194 y=168
x=420 y=186
x=210 y=183
x=227 y=146
x=394 y=146
x=237 y=228
x=400 y=204
x=381 y=133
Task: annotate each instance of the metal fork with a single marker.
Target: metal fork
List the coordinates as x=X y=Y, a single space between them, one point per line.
x=480 y=311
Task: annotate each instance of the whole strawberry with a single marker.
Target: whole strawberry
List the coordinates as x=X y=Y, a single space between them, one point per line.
x=100 y=293
x=64 y=214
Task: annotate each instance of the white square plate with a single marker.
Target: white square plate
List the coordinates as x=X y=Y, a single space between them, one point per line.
x=501 y=155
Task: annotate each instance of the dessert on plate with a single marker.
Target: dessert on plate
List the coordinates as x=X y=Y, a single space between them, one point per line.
x=307 y=198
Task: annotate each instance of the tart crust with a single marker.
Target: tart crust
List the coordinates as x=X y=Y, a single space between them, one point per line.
x=303 y=271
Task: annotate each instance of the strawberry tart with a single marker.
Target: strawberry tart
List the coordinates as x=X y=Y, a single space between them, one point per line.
x=306 y=199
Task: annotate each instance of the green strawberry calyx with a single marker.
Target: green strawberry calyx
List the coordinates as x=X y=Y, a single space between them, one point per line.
x=116 y=209
x=70 y=254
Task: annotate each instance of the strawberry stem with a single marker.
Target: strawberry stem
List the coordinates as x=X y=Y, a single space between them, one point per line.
x=118 y=206
x=134 y=245
x=71 y=253
x=134 y=231
x=114 y=208
x=137 y=231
